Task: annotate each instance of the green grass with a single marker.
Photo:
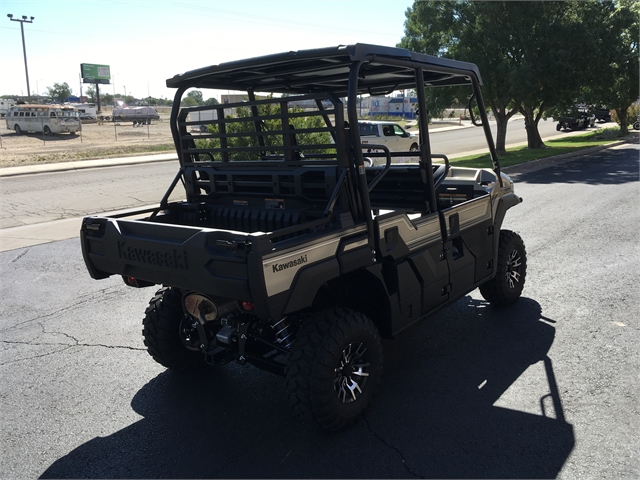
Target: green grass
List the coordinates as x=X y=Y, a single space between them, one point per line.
x=518 y=155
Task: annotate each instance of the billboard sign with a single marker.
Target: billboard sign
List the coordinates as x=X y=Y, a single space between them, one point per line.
x=92 y=73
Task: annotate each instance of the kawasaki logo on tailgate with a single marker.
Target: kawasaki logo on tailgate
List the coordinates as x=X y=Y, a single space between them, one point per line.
x=278 y=267
x=169 y=259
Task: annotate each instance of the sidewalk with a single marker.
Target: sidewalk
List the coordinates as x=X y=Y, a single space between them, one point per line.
x=82 y=164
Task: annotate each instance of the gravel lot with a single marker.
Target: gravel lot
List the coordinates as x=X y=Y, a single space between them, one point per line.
x=97 y=140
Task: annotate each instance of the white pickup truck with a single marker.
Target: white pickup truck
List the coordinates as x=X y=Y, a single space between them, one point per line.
x=389 y=134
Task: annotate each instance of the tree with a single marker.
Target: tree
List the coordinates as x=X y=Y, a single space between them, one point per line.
x=211 y=101
x=197 y=96
x=106 y=99
x=530 y=54
x=469 y=31
x=59 y=92
x=189 y=102
x=90 y=92
x=615 y=78
x=554 y=61
x=491 y=54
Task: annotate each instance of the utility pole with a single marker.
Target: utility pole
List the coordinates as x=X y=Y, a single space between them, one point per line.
x=24 y=49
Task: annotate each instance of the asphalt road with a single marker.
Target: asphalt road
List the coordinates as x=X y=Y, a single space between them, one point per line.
x=547 y=388
x=47 y=197
x=452 y=142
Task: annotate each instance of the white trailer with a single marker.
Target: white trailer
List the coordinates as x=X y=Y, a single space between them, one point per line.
x=201 y=116
x=137 y=115
x=87 y=110
x=5 y=105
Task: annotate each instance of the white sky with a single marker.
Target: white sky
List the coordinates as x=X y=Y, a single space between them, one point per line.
x=147 y=41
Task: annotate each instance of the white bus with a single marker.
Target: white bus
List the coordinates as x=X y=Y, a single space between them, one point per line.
x=45 y=119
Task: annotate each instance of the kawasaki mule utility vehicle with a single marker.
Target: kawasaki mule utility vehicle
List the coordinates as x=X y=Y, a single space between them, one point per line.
x=293 y=250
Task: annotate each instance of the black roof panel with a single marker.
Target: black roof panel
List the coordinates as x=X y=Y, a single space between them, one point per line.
x=384 y=69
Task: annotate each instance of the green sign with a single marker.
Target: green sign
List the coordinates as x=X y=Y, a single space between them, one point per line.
x=92 y=73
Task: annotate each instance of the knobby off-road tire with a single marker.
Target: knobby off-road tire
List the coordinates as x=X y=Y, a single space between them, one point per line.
x=335 y=367
x=161 y=332
x=506 y=287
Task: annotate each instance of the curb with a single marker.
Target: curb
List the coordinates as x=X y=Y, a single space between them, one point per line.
x=85 y=164
x=541 y=163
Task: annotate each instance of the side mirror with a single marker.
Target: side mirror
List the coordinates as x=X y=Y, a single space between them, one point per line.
x=470 y=107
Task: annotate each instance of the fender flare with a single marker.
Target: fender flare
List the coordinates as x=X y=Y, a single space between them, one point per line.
x=308 y=281
x=504 y=204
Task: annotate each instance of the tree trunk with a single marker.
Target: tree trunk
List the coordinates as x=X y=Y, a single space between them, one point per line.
x=501 y=135
x=502 y=116
x=623 y=121
x=534 y=140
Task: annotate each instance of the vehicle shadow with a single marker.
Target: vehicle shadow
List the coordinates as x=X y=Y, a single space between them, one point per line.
x=52 y=137
x=606 y=167
x=435 y=416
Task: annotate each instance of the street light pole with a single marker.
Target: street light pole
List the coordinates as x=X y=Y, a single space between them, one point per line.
x=38 y=90
x=24 y=48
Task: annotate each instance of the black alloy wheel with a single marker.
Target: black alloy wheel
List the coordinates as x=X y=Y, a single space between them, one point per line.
x=506 y=287
x=335 y=367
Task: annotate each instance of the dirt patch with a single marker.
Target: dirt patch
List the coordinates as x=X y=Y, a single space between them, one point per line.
x=97 y=140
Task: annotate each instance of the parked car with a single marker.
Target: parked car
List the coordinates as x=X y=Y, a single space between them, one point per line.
x=603 y=114
x=577 y=120
x=389 y=134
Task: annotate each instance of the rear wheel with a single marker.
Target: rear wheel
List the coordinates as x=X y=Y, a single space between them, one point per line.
x=17 y=128
x=506 y=287
x=334 y=367
x=166 y=334
x=47 y=130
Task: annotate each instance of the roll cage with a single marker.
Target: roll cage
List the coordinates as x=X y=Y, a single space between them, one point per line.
x=325 y=77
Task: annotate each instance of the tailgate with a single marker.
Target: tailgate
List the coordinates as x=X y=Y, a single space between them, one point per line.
x=205 y=260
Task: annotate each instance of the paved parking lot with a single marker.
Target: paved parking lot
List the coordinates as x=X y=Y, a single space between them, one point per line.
x=547 y=388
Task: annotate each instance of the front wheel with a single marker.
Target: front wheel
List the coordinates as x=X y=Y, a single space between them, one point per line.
x=414 y=147
x=636 y=126
x=47 y=130
x=506 y=287
x=17 y=128
x=167 y=333
x=334 y=368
